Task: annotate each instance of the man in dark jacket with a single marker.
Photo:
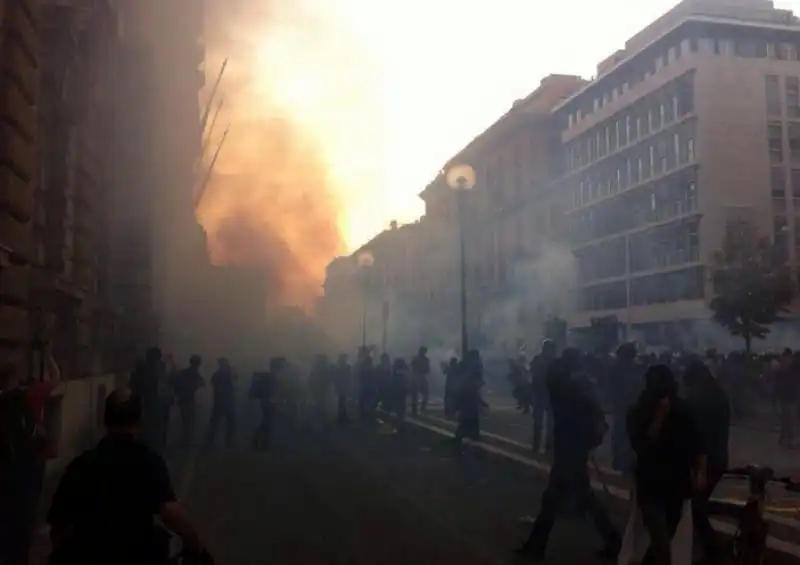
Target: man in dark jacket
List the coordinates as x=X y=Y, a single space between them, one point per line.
x=670 y=459
x=579 y=426
x=224 y=402
x=540 y=399
x=712 y=411
x=187 y=383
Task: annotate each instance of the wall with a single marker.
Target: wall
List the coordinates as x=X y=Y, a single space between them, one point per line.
x=76 y=408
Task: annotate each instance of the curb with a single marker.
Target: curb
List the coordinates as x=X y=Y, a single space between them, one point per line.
x=598 y=483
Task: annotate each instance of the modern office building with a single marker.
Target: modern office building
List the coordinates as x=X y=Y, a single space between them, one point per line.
x=692 y=123
x=632 y=178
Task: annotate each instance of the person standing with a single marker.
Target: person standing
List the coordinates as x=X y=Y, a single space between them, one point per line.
x=451 y=388
x=469 y=399
x=579 y=427
x=420 y=369
x=342 y=381
x=262 y=389
x=711 y=408
x=624 y=388
x=224 y=402
x=671 y=462
x=365 y=374
x=540 y=397
x=146 y=383
x=187 y=383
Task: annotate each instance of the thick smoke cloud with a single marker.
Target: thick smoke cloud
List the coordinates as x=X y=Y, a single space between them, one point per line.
x=271 y=200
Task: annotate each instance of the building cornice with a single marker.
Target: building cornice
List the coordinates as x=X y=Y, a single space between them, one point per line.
x=659 y=37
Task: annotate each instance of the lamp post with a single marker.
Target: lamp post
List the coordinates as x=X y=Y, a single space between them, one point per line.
x=461 y=178
x=365 y=261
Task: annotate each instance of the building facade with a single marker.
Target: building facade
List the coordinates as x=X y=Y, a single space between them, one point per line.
x=69 y=300
x=688 y=126
x=609 y=197
x=19 y=95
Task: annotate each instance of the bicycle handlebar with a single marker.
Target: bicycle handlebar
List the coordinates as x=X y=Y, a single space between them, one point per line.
x=766 y=474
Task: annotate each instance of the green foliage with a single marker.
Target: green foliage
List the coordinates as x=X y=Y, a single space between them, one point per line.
x=752 y=285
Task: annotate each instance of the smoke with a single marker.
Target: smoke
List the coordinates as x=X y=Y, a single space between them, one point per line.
x=275 y=199
x=539 y=289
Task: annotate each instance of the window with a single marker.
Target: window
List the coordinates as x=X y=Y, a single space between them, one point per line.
x=652 y=156
x=690 y=150
x=617 y=134
x=650 y=121
x=787 y=52
x=627 y=129
x=724 y=47
x=775 y=143
x=691 y=195
x=792 y=97
x=794 y=142
x=794 y=177
x=773 y=90
x=676 y=148
x=770 y=50
x=608 y=140
x=639 y=169
x=638 y=127
x=619 y=179
x=778 y=182
x=675 y=112
x=685 y=95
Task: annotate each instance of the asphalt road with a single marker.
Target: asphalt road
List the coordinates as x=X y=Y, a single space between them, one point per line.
x=361 y=495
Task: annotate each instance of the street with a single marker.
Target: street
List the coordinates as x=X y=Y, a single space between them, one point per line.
x=361 y=496
x=364 y=495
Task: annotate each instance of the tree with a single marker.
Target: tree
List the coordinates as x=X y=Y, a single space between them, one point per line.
x=751 y=282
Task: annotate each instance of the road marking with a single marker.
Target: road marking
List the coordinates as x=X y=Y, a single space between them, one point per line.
x=623 y=494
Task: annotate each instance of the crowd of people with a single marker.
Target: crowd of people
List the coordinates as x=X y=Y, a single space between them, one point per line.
x=669 y=425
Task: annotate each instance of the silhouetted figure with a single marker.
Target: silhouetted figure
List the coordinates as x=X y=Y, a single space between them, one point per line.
x=365 y=374
x=342 y=381
x=711 y=408
x=319 y=382
x=579 y=426
x=540 y=397
x=670 y=459
x=187 y=383
x=452 y=383
x=469 y=398
x=625 y=384
x=383 y=378
x=399 y=390
x=262 y=389
x=147 y=383
x=420 y=369
x=224 y=402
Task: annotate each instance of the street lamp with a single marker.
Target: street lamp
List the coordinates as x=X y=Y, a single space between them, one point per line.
x=461 y=178
x=365 y=261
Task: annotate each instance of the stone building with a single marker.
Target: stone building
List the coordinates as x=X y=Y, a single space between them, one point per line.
x=19 y=94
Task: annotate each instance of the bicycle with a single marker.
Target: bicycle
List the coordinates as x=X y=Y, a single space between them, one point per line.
x=749 y=543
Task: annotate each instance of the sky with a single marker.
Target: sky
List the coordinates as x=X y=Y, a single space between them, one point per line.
x=341 y=111
x=442 y=71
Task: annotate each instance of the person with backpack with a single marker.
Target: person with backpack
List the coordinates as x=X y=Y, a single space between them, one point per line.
x=104 y=507
x=579 y=427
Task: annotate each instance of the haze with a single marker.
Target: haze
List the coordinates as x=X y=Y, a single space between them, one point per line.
x=342 y=110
